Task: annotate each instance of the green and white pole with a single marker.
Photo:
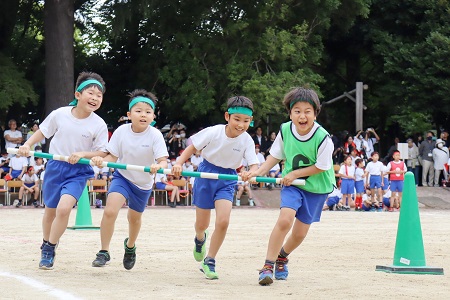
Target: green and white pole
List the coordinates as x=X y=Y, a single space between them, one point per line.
x=129 y=167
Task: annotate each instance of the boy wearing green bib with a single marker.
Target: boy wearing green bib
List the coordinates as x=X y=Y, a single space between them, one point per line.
x=307 y=150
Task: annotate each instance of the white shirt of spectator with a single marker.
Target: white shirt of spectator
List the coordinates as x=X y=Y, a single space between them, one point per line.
x=275 y=168
x=142 y=149
x=12 y=134
x=324 y=154
x=261 y=158
x=374 y=168
x=350 y=171
x=28 y=180
x=196 y=160
x=385 y=169
x=358 y=174
x=74 y=135
x=222 y=151
x=335 y=192
x=17 y=163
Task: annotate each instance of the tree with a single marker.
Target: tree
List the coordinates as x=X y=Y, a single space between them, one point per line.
x=59 y=70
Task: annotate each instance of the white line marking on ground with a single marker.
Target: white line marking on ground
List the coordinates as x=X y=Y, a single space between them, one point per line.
x=41 y=286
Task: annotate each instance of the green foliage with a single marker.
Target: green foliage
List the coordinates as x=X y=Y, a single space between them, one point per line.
x=14 y=88
x=411 y=122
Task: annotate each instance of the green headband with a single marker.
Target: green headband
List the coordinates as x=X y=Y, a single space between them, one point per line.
x=141 y=99
x=303 y=100
x=240 y=110
x=82 y=86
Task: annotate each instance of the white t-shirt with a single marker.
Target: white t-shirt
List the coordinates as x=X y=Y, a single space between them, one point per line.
x=325 y=151
x=142 y=149
x=196 y=160
x=12 y=134
x=385 y=169
x=349 y=171
x=27 y=179
x=74 y=135
x=261 y=158
x=17 y=163
x=374 y=168
x=358 y=174
x=223 y=151
x=335 y=193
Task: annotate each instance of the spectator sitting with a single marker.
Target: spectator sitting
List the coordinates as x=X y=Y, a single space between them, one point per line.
x=164 y=183
x=18 y=166
x=13 y=137
x=370 y=203
x=333 y=200
x=30 y=184
x=242 y=187
x=4 y=163
x=34 y=128
x=38 y=166
x=196 y=159
x=275 y=172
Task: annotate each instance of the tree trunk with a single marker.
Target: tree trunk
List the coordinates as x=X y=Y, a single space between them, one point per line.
x=59 y=53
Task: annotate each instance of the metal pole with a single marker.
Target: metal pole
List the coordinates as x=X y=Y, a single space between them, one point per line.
x=359 y=106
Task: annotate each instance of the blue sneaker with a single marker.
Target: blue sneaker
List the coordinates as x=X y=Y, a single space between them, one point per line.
x=47 y=257
x=266 y=275
x=208 y=267
x=281 y=269
x=200 y=248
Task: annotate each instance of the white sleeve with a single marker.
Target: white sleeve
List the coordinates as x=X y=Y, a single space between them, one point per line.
x=325 y=154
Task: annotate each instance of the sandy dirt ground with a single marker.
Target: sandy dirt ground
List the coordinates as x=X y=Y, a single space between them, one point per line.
x=336 y=261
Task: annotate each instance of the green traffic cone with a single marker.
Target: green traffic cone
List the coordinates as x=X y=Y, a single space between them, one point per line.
x=409 y=254
x=84 y=217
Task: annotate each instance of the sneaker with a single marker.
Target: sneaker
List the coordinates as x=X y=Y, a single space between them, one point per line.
x=18 y=203
x=269 y=186
x=238 y=202
x=281 y=269
x=266 y=275
x=380 y=209
x=47 y=257
x=36 y=204
x=172 y=204
x=129 y=258
x=200 y=248
x=208 y=267
x=251 y=202
x=390 y=209
x=101 y=260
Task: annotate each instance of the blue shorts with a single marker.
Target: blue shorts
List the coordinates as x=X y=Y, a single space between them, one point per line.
x=397 y=186
x=359 y=185
x=332 y=201
x=277 y=173
x=386 y=202
x=365 y=208
x=160 y=185
x=15 y=173
x=385 y=184
x=207 y=191
x=137 y=198
x=64 y=178
x=307 y=205
x=375 y=181
x=347 y=186
x=5 y=169
x=29 y=184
